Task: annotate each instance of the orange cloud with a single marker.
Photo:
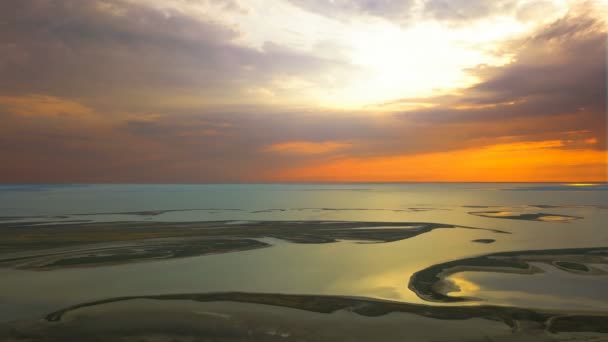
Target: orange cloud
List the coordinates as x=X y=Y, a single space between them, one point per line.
x=43 y=106
x=306 y=147
x=540 y=161
x=591 y=141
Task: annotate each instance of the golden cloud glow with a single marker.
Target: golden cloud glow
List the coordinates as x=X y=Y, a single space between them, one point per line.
x=528 y=161
x=43 y=106
x=306 y=147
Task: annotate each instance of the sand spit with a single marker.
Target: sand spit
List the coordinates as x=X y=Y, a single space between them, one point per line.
x=46 y=247
x=431 y=284
x=485 y=241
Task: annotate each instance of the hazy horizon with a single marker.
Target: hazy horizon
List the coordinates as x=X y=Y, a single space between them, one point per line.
x=565 y=183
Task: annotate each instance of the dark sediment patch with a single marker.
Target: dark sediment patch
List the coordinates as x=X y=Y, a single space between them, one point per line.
x=537 y=206
x=268 y=211
x=6 y=218
x=144 y=213
x=551 y=206
x=561 y=187
x=156 y=212
x=525 y=216
x=572 y=266
x=579 y=323
x=484 y=241
x=141 y=251
x=426 y=283
x=411 y=209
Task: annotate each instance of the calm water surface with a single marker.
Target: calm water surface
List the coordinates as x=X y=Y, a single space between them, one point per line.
x=344 y=268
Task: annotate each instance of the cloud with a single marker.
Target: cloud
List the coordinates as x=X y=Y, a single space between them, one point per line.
x=556 y=80
x=407 y=12
x=563 y=63
x=527 y=161
x=533 y=10
x=306 y=147
x=198 y=146
x=125 y=53
x=117 y=91
x=343 y=9
x=41 y=105
x=467 y=10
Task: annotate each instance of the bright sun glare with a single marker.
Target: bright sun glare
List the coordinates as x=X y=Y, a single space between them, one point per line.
x=382 y=60
x=419 y=61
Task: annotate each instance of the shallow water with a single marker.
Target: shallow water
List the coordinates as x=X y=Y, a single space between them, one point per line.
x=378 y=270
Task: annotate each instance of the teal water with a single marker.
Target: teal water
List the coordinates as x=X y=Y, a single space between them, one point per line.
x=286 y=201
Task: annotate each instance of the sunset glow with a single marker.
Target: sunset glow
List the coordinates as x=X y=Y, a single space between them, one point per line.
x=537 y=162
x=295 y=90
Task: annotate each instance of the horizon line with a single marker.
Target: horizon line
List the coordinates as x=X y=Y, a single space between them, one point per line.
x=308 y=182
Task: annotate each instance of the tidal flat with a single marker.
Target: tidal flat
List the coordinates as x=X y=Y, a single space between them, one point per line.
x=294 y=263
x=270 y=317
x=41 y=246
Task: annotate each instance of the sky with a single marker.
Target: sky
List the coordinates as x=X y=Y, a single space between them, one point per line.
x=189 y=91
